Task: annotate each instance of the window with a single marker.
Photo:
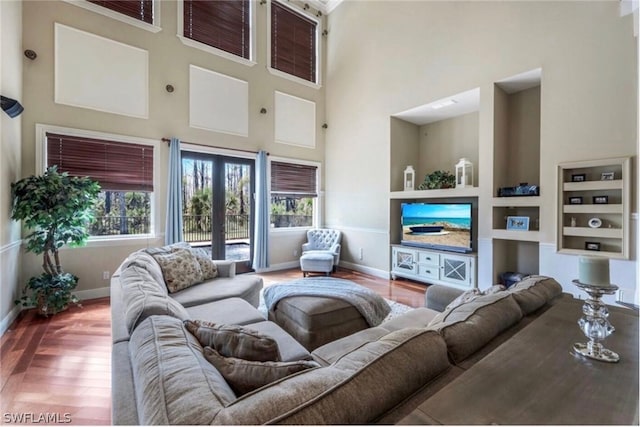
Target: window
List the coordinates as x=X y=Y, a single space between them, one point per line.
x=293 y=194
x=124 y=171
x=222 y=24
x=137 y=9
x=293 y=43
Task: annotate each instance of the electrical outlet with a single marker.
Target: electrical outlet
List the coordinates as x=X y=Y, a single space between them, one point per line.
x=361 y=254
x=105 y=275
x=295 y=252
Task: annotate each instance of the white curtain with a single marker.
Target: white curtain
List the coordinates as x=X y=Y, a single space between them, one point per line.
x=173 y=231
x=261 y=235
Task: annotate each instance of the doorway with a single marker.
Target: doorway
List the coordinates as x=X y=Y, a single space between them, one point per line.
x=217 y=206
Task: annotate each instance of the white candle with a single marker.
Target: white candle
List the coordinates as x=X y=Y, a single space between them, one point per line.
x=593 y=270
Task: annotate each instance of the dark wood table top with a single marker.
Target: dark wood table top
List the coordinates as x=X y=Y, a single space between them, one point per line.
x=534 y=378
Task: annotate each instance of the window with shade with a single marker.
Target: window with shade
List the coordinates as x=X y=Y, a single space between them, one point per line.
x=293 y=43
x=124 y=171
x=222 y=24
x=293 y=195
x=137 y=9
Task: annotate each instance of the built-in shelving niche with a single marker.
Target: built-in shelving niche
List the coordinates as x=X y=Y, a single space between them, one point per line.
x=516 y=160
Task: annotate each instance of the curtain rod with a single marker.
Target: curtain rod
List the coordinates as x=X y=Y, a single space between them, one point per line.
x=168 y=141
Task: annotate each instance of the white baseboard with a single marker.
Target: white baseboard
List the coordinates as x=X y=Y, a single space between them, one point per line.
x=9 y=319
x=93 y=293
x=281 y=266
x=383 y=274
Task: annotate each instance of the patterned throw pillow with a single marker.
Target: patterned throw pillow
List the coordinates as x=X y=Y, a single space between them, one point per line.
x=463 y=298
x=246 y=375
x=209 y=268
x=180 y=269
x=235 y=341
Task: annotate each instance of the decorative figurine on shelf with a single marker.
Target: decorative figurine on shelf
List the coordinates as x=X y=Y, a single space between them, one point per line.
x=409 y=178
x=464 y=173
x=593 y=278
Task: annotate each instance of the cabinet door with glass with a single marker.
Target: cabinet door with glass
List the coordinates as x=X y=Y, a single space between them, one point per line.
x=404 y=261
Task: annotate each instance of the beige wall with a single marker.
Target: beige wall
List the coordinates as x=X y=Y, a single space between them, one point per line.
x=169 y=62
x=10 y=156
x=430 y=50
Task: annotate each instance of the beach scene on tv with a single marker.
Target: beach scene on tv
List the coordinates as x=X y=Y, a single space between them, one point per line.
x=436 y=224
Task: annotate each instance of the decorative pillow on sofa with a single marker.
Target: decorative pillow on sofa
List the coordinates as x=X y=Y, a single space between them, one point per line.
x=235 y=341
x=180 y=269
x=208 y=267
x=463 y=298
x=246 y=375
x=533 y=292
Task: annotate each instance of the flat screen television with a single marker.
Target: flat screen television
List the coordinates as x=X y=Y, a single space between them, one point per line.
x=444 y=226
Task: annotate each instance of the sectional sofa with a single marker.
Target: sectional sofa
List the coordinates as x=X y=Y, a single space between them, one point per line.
x=168 y=368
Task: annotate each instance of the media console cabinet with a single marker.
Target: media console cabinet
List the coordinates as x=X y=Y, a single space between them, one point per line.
x=458 y=270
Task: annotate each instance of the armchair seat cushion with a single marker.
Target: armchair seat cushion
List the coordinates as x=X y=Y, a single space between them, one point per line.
x=317 y=261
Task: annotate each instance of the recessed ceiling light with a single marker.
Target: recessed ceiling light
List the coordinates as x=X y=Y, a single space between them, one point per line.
x=442 y=104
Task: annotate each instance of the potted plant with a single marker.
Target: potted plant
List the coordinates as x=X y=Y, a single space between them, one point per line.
x=438 y=179
x=57 y=208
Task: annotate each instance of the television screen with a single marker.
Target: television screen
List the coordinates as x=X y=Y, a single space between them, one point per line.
x=445 y=226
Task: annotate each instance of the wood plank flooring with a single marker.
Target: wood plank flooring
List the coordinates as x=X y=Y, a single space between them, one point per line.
x=57 y=370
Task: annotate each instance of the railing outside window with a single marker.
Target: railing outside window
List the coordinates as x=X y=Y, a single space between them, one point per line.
x=197 y=228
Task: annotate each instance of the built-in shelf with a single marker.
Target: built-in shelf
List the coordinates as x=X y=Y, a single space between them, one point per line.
x=436 y=194
x=526 y=236
x=516 y=201
x=585 y=182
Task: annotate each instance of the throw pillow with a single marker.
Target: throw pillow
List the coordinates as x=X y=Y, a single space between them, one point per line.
x=235 y=341
x=463 y=298
x=246 y=375
x=209 y=268
x=180 y=269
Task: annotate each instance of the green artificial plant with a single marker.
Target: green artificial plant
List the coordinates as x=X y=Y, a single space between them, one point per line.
x=57 y=208
x=438 y=179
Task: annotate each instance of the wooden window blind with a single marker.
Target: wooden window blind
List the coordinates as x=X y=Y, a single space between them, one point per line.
x=117 y=166
x=223 y=24
x=138 y=9
x=293 y=42
x=292 y=180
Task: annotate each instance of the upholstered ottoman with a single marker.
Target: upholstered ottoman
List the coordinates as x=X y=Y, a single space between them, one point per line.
x=321 y=262
x=314 y=320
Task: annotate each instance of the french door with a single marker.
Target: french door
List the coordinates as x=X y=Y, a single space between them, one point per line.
x=218 y=206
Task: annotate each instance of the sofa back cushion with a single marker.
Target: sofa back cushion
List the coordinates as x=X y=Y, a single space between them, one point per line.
x=356 y=389
x=146 y=261
x=235 y=341
x=533 y=292
x=143 y=296
x=468 y=327
x=174 y=383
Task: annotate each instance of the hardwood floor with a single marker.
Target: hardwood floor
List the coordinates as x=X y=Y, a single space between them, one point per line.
x=57 y=370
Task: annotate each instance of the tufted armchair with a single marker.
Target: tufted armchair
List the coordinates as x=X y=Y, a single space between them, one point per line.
x=323 y=240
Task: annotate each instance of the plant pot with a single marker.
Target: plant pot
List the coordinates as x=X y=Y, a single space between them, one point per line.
x=46 y=310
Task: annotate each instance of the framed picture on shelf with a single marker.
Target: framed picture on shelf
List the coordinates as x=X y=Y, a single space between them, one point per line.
x=607 y=176
x=600 y=200
x=592 y=246
x=520 y=223
x=578 y=177
x=577 y=200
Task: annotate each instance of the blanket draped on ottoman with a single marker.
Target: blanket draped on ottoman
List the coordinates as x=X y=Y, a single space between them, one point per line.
x=371 y=305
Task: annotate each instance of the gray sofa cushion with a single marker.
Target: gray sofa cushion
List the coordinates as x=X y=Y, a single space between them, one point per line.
x=533 y=292
x=246 y=286
x=247 y=375
x=241 y=342
x=468 y=327
x=356 y=389
x=234 y=311
x=174 y=383
x=141 y=298
x=289 y=348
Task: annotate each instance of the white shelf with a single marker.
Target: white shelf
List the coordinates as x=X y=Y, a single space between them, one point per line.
x=527 y=236
x=517 y=201
x=433 y=194
x=611 y=233
x=593 y=209
x=567 y=251
x=593 y=185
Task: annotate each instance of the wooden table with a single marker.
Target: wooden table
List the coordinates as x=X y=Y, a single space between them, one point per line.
x=534 y=378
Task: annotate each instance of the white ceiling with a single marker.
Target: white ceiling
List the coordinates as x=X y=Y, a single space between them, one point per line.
x=466 y=102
